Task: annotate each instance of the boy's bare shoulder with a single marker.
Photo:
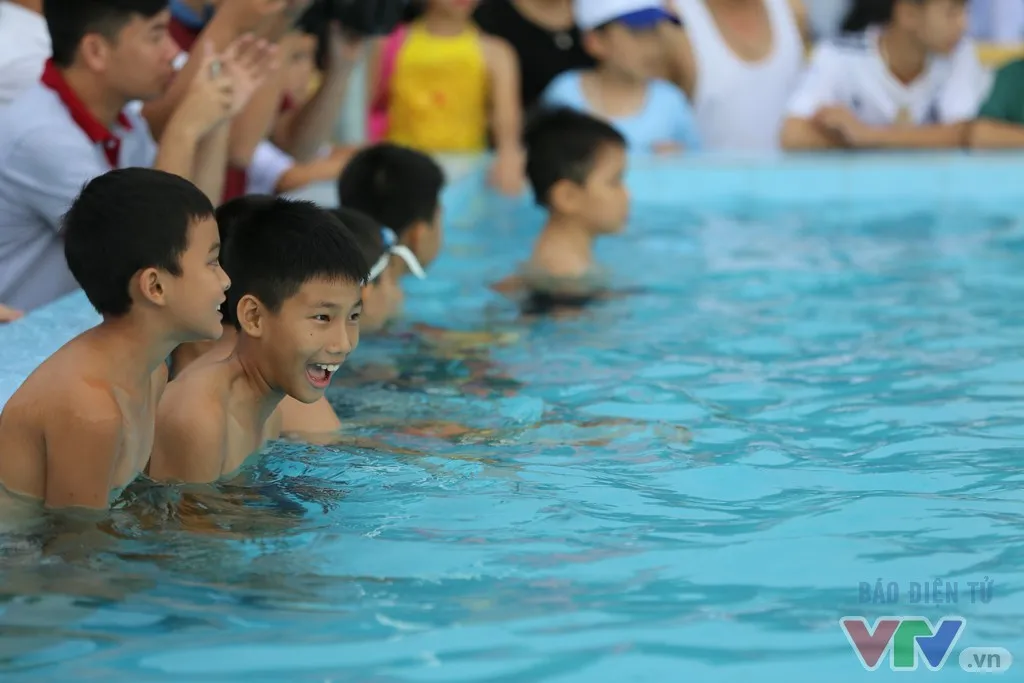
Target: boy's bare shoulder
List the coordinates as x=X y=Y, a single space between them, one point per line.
x=199 y=391
x=191 y=428
x=72 y=384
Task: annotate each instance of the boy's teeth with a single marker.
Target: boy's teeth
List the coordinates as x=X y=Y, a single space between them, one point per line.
x=328 y=368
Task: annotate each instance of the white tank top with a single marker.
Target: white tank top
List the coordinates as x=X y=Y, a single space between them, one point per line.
x=740 y=105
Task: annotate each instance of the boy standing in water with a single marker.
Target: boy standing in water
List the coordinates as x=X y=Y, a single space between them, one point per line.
x=400 y=188
x=143 y=245
x=575 y=165
x=297 y=302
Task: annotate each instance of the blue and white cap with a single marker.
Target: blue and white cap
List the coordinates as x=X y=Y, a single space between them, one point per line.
x=636 y=14
x=392 y=246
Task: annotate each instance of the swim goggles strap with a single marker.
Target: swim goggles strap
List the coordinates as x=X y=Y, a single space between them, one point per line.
x=391 y=246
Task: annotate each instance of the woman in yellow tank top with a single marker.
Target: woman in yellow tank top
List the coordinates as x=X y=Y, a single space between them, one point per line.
x=438 y=85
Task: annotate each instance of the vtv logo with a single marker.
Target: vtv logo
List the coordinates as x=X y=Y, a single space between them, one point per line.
x=904 y=638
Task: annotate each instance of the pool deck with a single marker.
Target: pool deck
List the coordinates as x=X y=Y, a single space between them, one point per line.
x=883 y=179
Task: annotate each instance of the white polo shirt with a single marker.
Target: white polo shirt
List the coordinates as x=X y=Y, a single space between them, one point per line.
x=24 y=48
x=50 y=147
x=850 y=72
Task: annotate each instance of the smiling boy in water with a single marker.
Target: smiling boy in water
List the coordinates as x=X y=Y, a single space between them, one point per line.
x=317 y=421
x=144 y=247
x=575 y=164
x=297 y=301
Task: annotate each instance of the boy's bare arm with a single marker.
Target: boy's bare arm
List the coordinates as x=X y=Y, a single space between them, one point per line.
x=189 y=442
x=83 y=442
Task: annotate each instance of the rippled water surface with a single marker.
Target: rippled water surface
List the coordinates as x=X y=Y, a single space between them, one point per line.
x=686 y=484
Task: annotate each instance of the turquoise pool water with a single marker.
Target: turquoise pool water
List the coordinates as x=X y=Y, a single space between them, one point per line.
x=688 y=483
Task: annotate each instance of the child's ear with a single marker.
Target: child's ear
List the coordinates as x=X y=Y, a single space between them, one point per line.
x=415 y=234
x=151 y=287
x=249 y=312
x=566 y=197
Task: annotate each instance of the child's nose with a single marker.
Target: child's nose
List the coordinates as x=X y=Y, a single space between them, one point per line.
x=341 y=343
x=225 y=281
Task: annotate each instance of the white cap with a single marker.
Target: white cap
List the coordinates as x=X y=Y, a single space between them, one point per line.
x=638 y=14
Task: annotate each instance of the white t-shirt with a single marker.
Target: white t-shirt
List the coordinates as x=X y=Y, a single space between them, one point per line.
x=850 y=72
x=24 y=48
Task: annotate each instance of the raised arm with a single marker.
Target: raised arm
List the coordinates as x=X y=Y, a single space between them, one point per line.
x=206 y=107
x=247 y=63
x=303 y=133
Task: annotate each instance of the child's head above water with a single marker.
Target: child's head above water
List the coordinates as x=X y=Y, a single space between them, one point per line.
x=622 y=35
x=401 y=188
x=145 y=242
x=575 y=164
x=298 y=276
x=382 y=294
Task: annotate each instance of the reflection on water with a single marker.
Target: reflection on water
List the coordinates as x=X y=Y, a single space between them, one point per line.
x=688 y=483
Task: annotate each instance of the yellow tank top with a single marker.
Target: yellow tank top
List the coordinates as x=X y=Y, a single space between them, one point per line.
x=437 y=100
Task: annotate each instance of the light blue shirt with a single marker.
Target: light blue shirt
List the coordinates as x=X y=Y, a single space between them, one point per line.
x=665 y=117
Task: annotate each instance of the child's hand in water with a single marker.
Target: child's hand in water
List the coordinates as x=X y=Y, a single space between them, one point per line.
x=9 y=314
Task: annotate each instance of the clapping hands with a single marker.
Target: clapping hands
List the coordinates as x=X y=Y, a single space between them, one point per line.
x=226 y=82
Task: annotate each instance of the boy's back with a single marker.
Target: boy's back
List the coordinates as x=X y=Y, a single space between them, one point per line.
x=81 y=427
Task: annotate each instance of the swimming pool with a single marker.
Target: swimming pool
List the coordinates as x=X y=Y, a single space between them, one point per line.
x=690 y=483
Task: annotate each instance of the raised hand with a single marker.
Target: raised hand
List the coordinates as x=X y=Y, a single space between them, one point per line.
x=210 y=96
x=248 y=62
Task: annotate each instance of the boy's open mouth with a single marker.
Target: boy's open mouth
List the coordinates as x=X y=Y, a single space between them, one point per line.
x=319 y=374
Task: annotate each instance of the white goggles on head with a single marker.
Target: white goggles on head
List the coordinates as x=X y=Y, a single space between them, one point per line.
x=391 y=246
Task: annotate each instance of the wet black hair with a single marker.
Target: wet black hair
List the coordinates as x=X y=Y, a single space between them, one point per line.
x=367 y=232
x=563 y=144
x=125 y=221
x=396 y=185
x=230 y=215
x=69 y=21
x=277 y=247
